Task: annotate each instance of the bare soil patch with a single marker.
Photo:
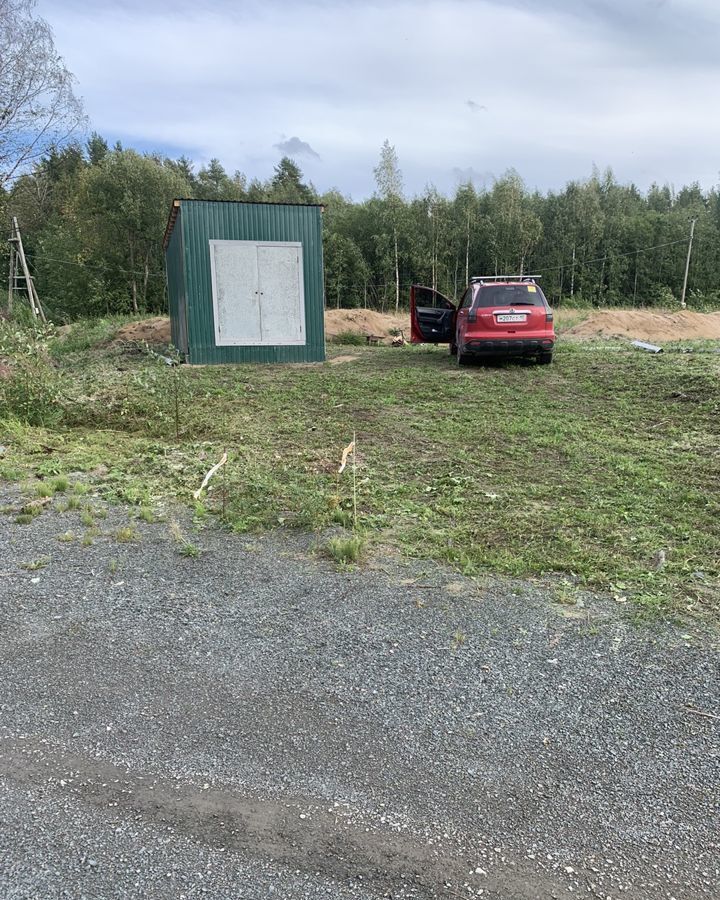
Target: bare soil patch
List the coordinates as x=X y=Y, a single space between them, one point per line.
x=641 y=324
x=337 y=360
x=152 y=331
x=628 y=323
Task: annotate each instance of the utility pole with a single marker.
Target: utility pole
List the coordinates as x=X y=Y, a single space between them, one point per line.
x=18 y=254
x=683 y=304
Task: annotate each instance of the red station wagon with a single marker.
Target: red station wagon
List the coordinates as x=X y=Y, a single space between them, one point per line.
x=498 y=316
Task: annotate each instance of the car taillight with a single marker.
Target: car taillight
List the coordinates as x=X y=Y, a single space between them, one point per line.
x=548 y=315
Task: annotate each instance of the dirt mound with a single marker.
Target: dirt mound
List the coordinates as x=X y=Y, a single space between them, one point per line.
x=337 y=321
x=637 y=324
x=644 y=325
x=364 y=321
x=151 y=331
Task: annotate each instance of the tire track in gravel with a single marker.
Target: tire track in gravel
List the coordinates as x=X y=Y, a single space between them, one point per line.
x=276 y=831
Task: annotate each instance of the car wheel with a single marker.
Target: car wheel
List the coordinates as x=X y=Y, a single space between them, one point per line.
x=544 y=359
x=463 y=359
x=453 y=349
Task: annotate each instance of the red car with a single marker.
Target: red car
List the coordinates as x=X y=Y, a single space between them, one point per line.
x=498 y=316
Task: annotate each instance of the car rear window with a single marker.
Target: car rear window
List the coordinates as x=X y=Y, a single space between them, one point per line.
x=508 y=295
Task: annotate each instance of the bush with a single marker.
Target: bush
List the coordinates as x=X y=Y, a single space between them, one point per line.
x=350 y=337
x=346 y=549
x=30 y=387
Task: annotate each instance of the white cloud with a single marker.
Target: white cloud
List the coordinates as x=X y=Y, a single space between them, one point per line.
x=564 y=85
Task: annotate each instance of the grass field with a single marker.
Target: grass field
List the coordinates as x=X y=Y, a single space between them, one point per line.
x=587 y=468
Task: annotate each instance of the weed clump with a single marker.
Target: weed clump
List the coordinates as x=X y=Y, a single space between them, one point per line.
x=346 y=549
x=31 y=390
x=350 y=338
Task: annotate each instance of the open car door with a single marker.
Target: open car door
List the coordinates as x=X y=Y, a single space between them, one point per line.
x=432 y=317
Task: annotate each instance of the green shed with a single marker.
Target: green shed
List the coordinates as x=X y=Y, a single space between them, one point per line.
x=245 y=281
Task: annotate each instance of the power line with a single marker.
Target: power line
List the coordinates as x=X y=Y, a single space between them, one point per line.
x=588 y=262
x=72 y=262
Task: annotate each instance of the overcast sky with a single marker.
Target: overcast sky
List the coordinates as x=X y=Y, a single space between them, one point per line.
x=462 y=88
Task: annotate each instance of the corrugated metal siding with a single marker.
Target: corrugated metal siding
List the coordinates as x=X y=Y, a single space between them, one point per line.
x=202 y=221
x=177 y=297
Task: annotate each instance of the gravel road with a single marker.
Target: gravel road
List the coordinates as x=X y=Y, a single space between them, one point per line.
x=253 y=723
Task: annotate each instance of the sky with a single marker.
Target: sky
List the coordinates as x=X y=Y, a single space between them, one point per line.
x=463 y=89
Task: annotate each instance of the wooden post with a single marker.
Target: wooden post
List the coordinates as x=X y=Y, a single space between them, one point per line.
x=683 y=304
x=32 y=293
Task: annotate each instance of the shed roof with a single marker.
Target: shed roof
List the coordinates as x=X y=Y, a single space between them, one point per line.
x=178 y=200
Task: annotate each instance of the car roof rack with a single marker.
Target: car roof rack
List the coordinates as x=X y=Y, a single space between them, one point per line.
x=530 y=279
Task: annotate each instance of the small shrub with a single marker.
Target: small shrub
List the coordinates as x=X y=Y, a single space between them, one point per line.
x=32 y=509
x=191 y=550
x=342 y=517
x=60 y=484
x=73 y=502
x=31 y=391
x=43 y=489
x=350 y=338
x=346 y=550
x=66 y=537
x=89 y=537
x=86 y=517
x=126 y=534
x=146 y=514
x=39 y=563
x=23 y=519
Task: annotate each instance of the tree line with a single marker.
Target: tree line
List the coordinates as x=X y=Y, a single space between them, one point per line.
x=93 y=219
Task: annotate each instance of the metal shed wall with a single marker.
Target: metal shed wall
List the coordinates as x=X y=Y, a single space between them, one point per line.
x=200 y=221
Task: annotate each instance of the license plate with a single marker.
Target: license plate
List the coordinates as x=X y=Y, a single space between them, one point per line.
x=511 y=317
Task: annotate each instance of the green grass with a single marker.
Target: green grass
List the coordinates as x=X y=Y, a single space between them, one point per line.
x=346 y=549
x=126 y=534
x=87 y=518
x=190 y=550
x=585 y=468
x=60 y=484
x=146 y=514
x=350 y=338
x=38 y=563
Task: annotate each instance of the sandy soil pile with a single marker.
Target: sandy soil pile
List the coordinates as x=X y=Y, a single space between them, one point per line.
x=644 y=325
x=364 y=321
x=152 y=331
x=636 y=324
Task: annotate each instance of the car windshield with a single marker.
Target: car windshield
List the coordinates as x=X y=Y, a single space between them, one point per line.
x=508 y=295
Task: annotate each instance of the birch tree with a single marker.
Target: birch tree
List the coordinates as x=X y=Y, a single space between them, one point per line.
x=388 y=179
x=39 y=111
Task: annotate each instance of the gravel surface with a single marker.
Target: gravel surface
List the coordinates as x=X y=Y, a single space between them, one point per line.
x=252 y=723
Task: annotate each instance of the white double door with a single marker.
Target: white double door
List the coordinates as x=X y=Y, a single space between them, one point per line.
x=258 y=296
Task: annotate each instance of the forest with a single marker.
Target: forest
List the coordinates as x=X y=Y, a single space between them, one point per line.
x=93 y=218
